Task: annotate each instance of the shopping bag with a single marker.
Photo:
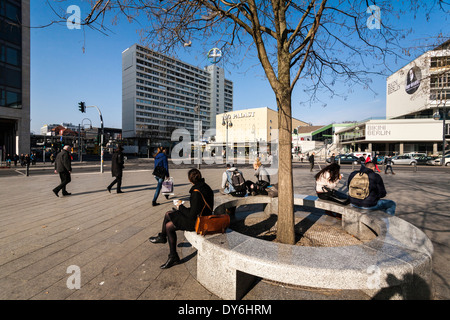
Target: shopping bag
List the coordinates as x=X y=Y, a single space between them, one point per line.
x=167 y=186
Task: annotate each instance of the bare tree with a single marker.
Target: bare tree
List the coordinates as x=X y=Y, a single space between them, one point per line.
x=316 y=42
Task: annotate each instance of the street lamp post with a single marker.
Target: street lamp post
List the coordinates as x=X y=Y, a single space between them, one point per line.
x=81 y=141
x=102 y=137
x=199 y=129
x=436 y=116
x=226 y=122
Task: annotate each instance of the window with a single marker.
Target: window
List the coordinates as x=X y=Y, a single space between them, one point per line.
x=10 y=77
x=2 y=98
x=12 y=56
x=439 y=62
x=13 y=100
x=12 y=12
x=10 y=99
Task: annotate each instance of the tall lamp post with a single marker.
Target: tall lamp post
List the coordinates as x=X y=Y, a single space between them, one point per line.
x=437 y=116
x=199 y=133
x=226 y=122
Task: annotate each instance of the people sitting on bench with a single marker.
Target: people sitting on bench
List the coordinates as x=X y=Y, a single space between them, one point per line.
x=326 y=181
x=262 y=180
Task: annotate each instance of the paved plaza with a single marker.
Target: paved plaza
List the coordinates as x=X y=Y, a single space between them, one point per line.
x=46 y=241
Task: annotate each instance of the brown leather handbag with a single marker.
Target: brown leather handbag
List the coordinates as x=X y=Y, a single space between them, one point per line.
x=215 y=223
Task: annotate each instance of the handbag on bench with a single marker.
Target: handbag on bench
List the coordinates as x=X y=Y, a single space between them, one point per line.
x=215 y=223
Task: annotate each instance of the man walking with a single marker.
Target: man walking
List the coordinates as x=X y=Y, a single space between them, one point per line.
x=366 y=188
x=311 y=161
x=63 y=166
x=388 y=162
x=117 y=169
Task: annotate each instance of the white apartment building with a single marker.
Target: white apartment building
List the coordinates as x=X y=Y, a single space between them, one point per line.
x=161 y=94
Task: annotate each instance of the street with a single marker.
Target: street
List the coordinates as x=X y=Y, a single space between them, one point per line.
x=147 y=164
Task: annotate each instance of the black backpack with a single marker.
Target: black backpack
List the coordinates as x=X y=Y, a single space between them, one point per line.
x=238 y=184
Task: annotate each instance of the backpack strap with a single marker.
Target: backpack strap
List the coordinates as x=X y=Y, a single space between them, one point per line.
x=206 y=203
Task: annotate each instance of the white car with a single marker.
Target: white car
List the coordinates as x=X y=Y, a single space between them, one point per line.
x=404 y=159
x=437 y=161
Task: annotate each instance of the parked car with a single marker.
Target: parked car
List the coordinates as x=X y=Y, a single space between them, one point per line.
x=437 y=161
x=344 y=159
x=424 y=159
x=404 y=159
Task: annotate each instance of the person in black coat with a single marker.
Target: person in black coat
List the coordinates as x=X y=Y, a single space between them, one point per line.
x=63 y=166
x=201 y=200
x=117 y=165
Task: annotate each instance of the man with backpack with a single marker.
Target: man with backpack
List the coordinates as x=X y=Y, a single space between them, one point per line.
x=233 y=182
x=366 y=188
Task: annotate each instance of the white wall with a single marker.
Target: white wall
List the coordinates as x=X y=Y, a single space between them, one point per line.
x=404 y=130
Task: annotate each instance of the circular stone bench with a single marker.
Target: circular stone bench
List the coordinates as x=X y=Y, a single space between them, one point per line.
x=396 y=264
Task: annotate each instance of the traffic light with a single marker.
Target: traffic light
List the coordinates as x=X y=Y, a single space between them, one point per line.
x=82 y=107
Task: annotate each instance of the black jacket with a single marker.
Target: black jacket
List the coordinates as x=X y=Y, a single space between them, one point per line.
x=63 y=162
x=117 y=164
x=184 y=218
x=376 y=188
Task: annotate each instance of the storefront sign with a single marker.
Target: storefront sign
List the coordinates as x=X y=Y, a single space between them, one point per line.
x=244 y=115
x=377 y=130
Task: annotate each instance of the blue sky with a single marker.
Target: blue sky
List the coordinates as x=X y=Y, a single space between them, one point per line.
x=68 y=66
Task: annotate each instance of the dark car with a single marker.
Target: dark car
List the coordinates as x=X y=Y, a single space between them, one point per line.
x=423 y=159
x=344 y=159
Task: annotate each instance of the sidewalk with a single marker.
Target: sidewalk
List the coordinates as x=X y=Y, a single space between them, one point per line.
x=106 y=236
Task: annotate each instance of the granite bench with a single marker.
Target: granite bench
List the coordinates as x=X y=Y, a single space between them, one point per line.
x=395 y=264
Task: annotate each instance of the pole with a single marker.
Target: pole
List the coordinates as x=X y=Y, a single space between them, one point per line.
x=443 y=136
x=79 y=142
x=102 y=134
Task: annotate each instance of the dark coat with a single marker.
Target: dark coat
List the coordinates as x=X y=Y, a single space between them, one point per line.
x=117 y=164
x=63 y=162
x=184 y=218
x=161 y=161
x=376 y=188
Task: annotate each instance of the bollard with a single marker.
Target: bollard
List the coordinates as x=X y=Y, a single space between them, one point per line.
x=414 y=166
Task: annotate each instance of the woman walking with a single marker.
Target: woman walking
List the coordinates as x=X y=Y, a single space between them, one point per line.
x=201 y=199
x=161 y=165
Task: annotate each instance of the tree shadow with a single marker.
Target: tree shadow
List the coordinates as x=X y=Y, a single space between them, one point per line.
x=411 y=287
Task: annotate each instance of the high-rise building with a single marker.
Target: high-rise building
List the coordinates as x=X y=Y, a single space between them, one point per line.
x=14 y=77
x=161 y=94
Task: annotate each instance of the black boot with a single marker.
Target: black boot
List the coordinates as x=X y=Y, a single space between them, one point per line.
x=154 y=204
x=173 y=260
x=160 y=238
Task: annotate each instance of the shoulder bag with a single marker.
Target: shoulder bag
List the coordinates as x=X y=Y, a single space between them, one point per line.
x=215 y=223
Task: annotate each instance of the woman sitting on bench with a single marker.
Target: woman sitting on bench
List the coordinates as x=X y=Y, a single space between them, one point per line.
x=326 y=181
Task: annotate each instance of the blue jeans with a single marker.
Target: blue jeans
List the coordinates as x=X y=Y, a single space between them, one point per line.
x=158 y=188
x=387 y=206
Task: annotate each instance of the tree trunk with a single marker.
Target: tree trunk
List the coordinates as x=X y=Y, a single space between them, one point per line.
x=285 y=224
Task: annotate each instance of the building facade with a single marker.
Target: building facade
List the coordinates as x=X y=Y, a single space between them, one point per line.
x=250 y=126
x=161 y=94
x=14 y=77
x=417 y=98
